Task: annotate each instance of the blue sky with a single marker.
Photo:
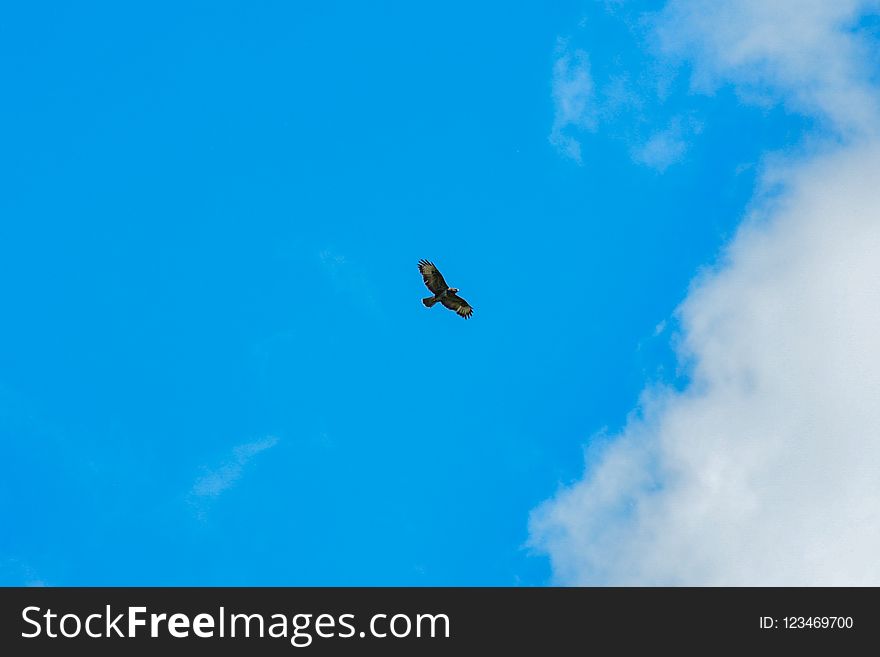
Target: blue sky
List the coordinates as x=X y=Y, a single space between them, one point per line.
x=214 y=365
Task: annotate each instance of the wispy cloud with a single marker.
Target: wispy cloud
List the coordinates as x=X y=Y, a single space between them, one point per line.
x=573 y=100
x=15 y=572
x=763 y=470
x=626 y=104
x=667 y=146
x=217 y=480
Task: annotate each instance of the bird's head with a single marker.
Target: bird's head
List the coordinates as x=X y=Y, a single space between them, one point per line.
x=454 y=290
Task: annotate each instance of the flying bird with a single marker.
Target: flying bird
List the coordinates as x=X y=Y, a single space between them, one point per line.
x=446 y=295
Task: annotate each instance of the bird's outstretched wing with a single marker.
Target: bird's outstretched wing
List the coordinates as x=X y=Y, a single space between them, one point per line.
x=459 y=305
x=432 y=276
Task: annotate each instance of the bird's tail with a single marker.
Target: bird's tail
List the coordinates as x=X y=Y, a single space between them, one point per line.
x=430 y=301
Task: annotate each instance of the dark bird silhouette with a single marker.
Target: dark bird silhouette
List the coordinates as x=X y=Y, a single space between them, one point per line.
x=446 y=295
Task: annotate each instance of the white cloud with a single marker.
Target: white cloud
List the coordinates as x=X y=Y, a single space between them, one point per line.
x=665 y=147
x=661 y=150
x=627 y=103
x=15 y=572
x=214 y=482
x=573 y=100
x=804 y=50
x=765 y=470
